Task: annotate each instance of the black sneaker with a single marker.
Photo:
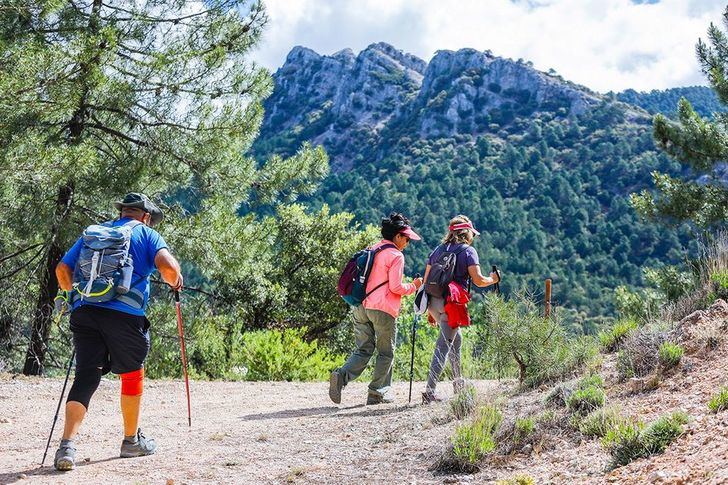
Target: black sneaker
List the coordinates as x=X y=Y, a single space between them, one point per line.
x=65 y=456
x=379 y=399
x=139 y=446
x=336 y=384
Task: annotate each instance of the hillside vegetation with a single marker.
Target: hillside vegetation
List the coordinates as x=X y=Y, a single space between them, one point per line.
x=543 y=166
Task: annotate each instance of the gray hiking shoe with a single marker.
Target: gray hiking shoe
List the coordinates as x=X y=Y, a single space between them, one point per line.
x=139 y=445
x=379 y=399
x=65 y=456
x=428 y=397
x=336 y=384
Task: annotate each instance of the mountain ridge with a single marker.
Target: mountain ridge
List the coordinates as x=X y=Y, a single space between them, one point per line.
x=542 y=165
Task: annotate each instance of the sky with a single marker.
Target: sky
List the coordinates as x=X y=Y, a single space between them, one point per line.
x=606 y=45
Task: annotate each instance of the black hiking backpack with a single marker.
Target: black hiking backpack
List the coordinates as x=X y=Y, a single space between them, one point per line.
x=442 y=272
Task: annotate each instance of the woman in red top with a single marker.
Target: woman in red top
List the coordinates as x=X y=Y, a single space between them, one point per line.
x=467 y=269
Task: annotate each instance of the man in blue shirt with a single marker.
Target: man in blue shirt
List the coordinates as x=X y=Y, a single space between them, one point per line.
x=114 y=335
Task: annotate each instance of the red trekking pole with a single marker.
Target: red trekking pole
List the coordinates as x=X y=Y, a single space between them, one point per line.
x=180 y=329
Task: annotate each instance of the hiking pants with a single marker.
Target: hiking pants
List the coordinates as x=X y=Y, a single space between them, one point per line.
x=373 y=329
x=448 y=345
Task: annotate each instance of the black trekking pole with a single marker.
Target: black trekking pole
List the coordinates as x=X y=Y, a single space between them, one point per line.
x=58 y=409
x=497 y=285
x=412 y=357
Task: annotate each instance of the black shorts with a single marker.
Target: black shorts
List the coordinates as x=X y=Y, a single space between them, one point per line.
x=109 y=339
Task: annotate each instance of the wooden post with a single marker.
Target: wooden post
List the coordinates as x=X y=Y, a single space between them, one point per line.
x=547 y=299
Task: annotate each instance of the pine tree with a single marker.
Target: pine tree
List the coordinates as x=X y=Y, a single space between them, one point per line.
x=99 y=98
x=699 y=143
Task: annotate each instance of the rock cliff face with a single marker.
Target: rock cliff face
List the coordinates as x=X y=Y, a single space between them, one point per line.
x=346 y=100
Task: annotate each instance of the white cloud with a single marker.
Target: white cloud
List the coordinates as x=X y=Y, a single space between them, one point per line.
x=603 y=44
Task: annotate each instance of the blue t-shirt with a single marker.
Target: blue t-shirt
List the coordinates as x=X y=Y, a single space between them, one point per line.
x=145 y=244
x=466 y=258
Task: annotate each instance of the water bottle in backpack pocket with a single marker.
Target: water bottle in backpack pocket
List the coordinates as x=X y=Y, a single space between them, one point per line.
x=352 y=286
x=104 y=268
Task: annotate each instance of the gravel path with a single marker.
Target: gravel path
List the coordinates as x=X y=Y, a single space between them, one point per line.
x=242 y=432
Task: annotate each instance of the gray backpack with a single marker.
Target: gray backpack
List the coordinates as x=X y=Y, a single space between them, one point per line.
x=104 y=268
x=442 y=272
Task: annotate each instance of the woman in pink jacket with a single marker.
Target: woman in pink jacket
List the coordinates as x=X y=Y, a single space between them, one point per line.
x=374 y=319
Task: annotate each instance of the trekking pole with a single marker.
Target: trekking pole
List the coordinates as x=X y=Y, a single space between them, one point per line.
x=497 y=285
x=183 y=351
x=58 y=409
x=412 y=357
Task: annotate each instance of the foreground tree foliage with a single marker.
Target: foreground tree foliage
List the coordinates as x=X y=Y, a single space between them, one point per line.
x=699 y=143
x=101 y=98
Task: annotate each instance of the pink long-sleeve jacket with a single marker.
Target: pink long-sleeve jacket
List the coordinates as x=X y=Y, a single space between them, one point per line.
x=388 y=266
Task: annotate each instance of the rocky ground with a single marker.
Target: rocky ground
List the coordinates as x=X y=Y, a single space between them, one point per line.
x=270 y=432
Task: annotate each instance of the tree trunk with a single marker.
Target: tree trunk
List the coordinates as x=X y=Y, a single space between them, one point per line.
x=48 y=286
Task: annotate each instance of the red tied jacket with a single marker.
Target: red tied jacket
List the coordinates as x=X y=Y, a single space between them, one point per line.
x=456 y=306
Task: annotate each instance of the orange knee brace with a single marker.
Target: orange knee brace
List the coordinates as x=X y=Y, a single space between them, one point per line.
x=132 y=383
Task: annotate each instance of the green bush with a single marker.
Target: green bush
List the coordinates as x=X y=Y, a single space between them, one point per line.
x=719 y=401
x=523 y=428
x=658 y=435
x=583 y=401
x=273 y=355
x=669 y=355
x=720 y=278
x=464 y=402
x=597 y=423
x=472 y=441
x=720 y=282
x=592 y=380
x=623 y=443
x=629 y=441
x=611 y=339
x=519 y=335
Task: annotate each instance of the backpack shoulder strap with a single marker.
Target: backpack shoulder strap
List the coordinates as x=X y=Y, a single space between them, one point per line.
x=384 y=246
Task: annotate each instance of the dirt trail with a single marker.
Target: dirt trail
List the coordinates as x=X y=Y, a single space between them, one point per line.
x=242 y=432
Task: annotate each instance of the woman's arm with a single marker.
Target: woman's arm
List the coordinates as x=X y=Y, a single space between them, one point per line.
x=395 y=273
x=478 y=279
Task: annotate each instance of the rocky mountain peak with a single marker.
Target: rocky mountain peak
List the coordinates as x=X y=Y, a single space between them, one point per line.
x=329 y=98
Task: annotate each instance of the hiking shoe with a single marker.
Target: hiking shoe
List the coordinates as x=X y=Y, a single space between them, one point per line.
x=428 y=397
x=65 y=456
x=138 y=445
x=458 y=385
x=379 y=399
x=336 y=384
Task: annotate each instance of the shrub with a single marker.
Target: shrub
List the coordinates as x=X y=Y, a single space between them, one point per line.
x=523 y=428
x=629 y=441
x=600 y=421
x=273 y=355
x=623 y=443
x=592 y=380
x=539 y=347
x=464 y=402
x=472 y=441
x=611 y=339
x=719 y=401
x=583 y=401
x=669 y=355
x=639 y=354
x=659 y=434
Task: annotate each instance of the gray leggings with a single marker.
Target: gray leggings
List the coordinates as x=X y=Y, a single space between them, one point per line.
x=448 y=345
